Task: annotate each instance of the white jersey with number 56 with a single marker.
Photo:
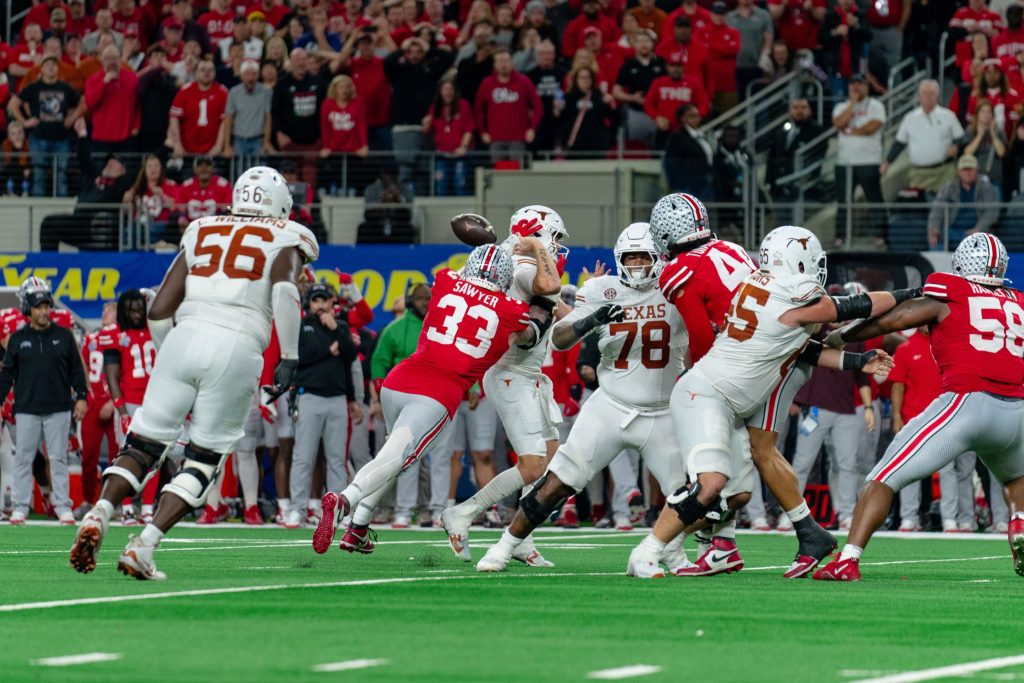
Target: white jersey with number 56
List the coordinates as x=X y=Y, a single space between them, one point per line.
x=229 y=260
x=642 y=356
x=755 y=349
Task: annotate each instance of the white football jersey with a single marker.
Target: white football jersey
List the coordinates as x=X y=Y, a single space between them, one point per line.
x=525 y=361
x=642 y=356
x=755 y=349
x=229 y=260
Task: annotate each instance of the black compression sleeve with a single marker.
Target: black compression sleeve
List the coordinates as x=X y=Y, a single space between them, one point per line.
x=852 y=307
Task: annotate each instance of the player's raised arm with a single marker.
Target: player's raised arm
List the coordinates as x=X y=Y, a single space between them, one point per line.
x=831 y=309
x=546 y=280
x=875 y=361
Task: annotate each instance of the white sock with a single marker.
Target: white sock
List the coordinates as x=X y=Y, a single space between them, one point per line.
x=799 y=512
x=725 y=529
x=104 y=508
x=1017 y=515
x=652 y=542
x=147 y=510
x=851 y=552
x=509 y=540
x=363 y=515
x=282 y=505
x=502 y=486
x=151 y=535
x=248 y=477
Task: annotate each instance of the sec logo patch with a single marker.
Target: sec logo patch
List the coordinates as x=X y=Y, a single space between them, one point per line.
x=610 y=293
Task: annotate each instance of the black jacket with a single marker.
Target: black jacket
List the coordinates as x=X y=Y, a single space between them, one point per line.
x=157 y=89
x=320 y=372
x=830 y=44
x=782 y=156
x=414 y=84
x=46 y=370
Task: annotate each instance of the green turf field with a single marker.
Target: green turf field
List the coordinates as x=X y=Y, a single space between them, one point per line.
x=928 y=603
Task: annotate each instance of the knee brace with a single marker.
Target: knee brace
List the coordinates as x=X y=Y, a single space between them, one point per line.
x=149 y=456
x=685 y=503
x=536 y=511
x=198 y=473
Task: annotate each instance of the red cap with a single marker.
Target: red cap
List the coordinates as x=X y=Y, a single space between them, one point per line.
x=992 y=65
x=591 y=30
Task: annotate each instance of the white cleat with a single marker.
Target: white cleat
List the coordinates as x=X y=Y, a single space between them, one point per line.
x=528 y=554
x=495 y=559
x=643 y=564
x=457 y=528
x=785 y=524
x=137 y=560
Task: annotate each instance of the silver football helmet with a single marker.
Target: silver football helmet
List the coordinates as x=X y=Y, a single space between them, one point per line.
x=981 y=258
x=677 y=219
x=489 y=266
x=33 y=292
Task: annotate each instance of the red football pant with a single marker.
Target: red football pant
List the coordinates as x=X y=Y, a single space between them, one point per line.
x=93 y=431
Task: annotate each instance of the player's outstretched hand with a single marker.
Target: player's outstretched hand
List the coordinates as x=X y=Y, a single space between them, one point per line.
x=879 y=366
x=599 y=270
x=284 y=377
x=609 y=313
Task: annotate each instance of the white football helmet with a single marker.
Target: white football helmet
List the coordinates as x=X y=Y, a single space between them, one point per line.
x=981 y=258
x=794 y=257
x=261 y=191
x=677 y=219
x=543 y=223
x=636 y=238
x=489 y=266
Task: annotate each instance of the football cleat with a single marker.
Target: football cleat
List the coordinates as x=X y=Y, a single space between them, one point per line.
x=785 y=524
x=567 y=518
x=147 y=514
x=137 y=560
x=128 y=516
x=253 y=516
x=401 y=522
x=814 y=547
x=335 y=507
x=359 y=540
x=17 y=518
x=839 y=570
x=87 y=543
x=66 y=518
x=457 y=528
x=909 y=525
x=966 y=527
x=760 y=524
x=313 y=516
x=527 y=553
x=622 y=523
x=723 y=557
x=1016 y=537
x=293 y=520
x=643 y=564
x=214 y=515
x=492 y=519
x=495 y=559
x=949 y=526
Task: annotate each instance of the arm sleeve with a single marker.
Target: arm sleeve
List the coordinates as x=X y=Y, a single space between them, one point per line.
x=287 y=319
x=690 y=304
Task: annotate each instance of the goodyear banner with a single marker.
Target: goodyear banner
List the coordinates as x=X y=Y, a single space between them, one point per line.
x=84 y=281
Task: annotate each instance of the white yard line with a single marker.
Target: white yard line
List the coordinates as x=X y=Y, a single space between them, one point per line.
x=71 y=660
x=349 y=665
x=624 y=672
x=951 y=671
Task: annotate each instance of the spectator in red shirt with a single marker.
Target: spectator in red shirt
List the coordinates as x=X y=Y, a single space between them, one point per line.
x=724 y=41
x=700 y=20
x=975 y=18
x=41 y=13
x=197 y=114
x=204 y=194
x=173 y=45
x=152 y=197
x=797 y=21
x=609 y=56
x=688 y=49
x=29 y=53
x=358 y=60
x=450 y=125
x=887 y=20
x=130 y=21
x=219 y=21
x=111 y=97
x=670 y=92
x=79 y=23
x=343 y=131
x=1010 y=40
x=572 y=40
x=508 y=109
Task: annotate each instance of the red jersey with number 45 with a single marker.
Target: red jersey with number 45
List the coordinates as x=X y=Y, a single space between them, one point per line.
x=137 y=353
x=701 y=283
x=92 y=356
x=979 y=346
x=465 y=332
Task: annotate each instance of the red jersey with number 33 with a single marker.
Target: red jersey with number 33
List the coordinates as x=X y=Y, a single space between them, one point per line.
x=979 y=346
x=701 y=283
x=137 y=355
x=465 y=332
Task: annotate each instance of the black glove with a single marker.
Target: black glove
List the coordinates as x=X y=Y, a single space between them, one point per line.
x=284 y=377
x=609 y=313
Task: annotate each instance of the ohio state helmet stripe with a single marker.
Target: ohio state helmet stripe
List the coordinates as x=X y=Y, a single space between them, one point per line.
x=488 y=258
x=993 y=248
x=698 y=214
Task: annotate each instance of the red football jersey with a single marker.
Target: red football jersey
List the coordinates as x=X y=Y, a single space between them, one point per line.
x=201 y=201
x=916 y=369
x=12 y=320
x=201 y=113
x=979 y=346
x=465 y=332
x=92 y=356
x=219 y=25
x=701 y=284
x=137 y=355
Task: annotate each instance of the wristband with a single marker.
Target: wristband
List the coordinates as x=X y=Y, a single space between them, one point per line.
x=119 y=402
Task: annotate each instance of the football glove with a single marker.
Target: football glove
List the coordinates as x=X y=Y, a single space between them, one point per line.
x=284 y=377
x=609 y=313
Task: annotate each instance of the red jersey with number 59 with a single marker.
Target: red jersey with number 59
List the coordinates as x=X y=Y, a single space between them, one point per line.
x=979 y=346
x=701 y=283
x=92 y=356
x=137 y=352
x=465 y=332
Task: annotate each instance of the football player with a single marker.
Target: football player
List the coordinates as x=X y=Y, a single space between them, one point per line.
x=976 y=325
x=701 y=279
x=522 y=394
x=643 y=345
x=233 y=276
x=128 y=355
x=99 y=419
x=469 y=325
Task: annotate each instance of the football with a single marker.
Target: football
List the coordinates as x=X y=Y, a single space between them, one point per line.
x=473 y=230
